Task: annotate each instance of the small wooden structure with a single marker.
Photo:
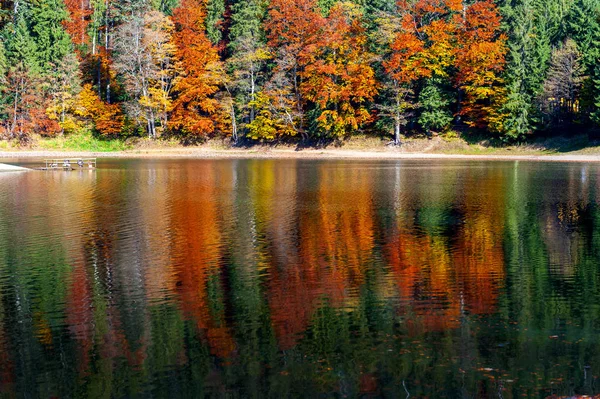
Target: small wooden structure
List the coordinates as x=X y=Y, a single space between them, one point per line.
x=69 y=163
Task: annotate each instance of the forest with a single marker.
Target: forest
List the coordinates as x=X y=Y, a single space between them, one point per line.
x=298 y=70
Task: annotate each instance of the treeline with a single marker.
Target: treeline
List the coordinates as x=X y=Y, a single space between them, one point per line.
x=309 y=69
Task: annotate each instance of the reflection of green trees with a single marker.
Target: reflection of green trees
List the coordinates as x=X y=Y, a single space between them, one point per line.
x=35 y=324
x=542 y=334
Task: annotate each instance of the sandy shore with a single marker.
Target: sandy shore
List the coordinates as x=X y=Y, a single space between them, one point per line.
x=11 y=168
x=204 y=153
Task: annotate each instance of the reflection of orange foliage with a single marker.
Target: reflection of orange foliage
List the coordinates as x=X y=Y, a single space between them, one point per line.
x=199 y=237
x=80 y=314
x=479 y=255
x=291 y=301
x=423 y=273
x=336 y=242
x=437 y=277
x=480 y=265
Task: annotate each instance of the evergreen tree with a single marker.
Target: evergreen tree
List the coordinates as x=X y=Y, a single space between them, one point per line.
x=247 y=44
x=584 y=28
x=20 y=46
x=528 y=56
x=434 y=104
x=53 y=43
x=215 y=17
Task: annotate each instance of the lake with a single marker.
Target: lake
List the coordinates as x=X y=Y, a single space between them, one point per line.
x=301 y=278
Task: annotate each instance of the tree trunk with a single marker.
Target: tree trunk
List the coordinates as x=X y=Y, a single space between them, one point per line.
x=397 y=131
x=234 y=132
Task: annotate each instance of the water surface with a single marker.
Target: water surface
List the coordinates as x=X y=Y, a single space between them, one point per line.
x=297 y=278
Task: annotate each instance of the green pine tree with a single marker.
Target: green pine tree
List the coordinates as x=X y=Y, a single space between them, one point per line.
x=215 y=10
x=247 y=63
x=434 y=104
x=528 y=58
x=20 y=46
x=53 y=43
x=584 y=28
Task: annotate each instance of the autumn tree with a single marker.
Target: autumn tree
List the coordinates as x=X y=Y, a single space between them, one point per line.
x=108 y=119
x=78 y=21
x=293 y=29
x=421 y=55
x=145 y=58
x=396 y=100
x=338 y=78
x=64 y=86
x=436 y=23
x=480 y=61
x=26 y=112
x=195 y=110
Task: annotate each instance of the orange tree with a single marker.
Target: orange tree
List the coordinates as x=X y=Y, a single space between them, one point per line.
x=195 y=109
x=338 y=78
x=480 y=61
x=293 y=28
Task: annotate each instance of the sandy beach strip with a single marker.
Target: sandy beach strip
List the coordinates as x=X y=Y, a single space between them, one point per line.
x=11 y=168
x=203 y=153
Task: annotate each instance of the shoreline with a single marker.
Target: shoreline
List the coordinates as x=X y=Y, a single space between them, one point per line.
x=204 y=153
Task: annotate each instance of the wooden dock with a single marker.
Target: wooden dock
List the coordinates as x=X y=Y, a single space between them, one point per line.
x=69 y=164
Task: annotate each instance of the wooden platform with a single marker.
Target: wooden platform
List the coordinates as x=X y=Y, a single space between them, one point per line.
x=69 y=164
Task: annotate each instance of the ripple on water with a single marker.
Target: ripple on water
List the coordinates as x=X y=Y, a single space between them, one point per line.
x=300 y=278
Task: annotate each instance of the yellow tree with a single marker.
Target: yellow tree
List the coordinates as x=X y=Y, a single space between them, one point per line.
x=158 y=31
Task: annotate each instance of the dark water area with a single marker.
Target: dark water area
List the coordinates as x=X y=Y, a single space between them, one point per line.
x=296 y=278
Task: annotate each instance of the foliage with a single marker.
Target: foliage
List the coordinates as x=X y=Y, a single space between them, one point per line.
x=338 y=78
x=480 y=62
x=433 y=105
x=304 y=68
x=268 y=124
x=108 y=119
x=195 y=110
x=249 y=55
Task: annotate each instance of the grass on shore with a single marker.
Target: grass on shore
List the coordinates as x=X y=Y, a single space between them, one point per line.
x=83 y=141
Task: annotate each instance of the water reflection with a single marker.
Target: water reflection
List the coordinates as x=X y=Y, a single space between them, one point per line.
x=300 y=278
